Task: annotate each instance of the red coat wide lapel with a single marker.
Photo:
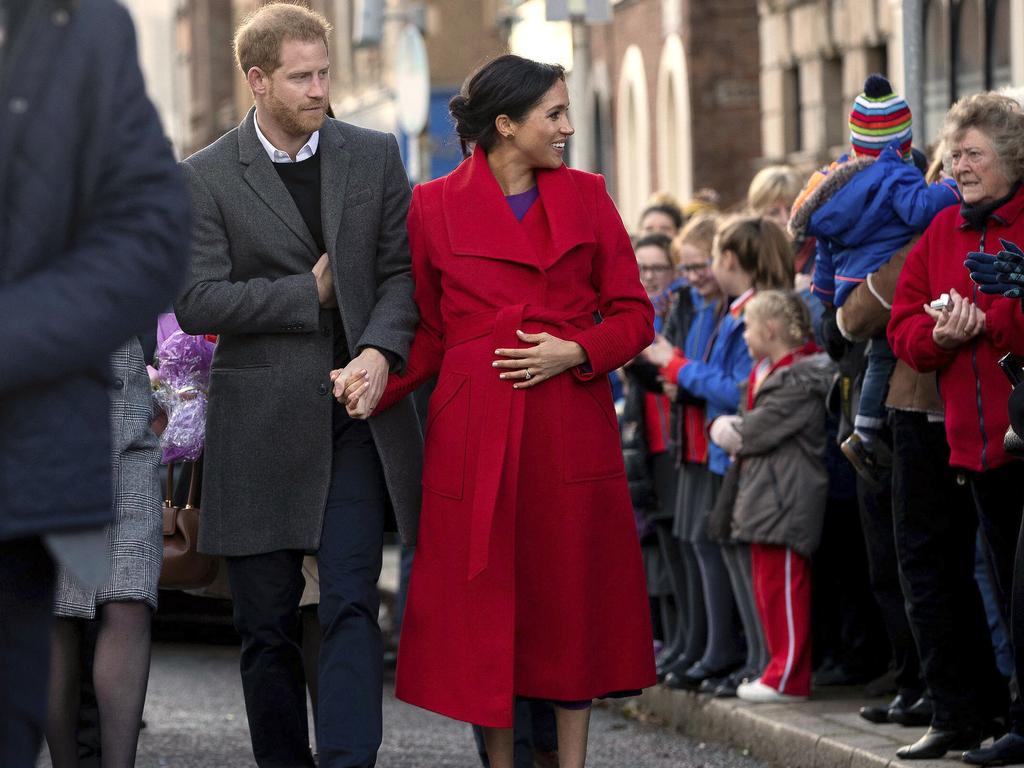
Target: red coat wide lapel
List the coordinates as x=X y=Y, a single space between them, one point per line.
x=480 y=222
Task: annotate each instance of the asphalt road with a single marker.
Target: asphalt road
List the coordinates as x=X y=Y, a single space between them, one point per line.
x=196 y=719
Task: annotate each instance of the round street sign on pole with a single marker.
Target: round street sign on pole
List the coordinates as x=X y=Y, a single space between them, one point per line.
x=412 y=81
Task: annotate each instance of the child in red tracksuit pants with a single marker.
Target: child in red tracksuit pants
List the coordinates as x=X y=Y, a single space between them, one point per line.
x=778 y=446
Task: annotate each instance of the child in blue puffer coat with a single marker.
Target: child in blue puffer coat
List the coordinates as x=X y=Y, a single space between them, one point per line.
x=862 y=209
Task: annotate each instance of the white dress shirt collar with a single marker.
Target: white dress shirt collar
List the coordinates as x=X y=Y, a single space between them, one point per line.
x=280 y=156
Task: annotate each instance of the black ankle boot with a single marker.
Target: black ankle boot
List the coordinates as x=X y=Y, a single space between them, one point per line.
x=936 y=742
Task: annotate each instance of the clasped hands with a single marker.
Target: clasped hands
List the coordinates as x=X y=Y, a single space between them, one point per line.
x=958 y=323
x=358 y=389
x=359 y=385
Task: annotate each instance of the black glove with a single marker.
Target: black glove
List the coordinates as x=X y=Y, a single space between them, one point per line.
x=1001 y=273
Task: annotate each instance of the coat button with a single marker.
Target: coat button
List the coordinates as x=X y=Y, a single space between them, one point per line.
x=322 y=389
x=61 y=17
x=118 y=384
x=18 y=105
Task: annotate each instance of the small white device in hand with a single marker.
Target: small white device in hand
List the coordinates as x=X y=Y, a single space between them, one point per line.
x=943 y=302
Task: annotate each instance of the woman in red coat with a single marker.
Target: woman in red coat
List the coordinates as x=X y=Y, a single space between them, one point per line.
x=527 y=579
x=935 y=515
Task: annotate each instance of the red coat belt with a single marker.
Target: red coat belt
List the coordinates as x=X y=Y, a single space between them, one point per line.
x=503 y=410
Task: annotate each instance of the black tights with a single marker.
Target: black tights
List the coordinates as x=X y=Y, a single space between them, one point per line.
x=120 y=675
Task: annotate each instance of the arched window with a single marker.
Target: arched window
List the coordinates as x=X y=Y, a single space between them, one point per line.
x=937 y=96
x=675 y=166
x=633 y=137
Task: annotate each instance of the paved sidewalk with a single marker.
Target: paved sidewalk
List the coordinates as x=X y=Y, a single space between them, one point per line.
x=825 y=732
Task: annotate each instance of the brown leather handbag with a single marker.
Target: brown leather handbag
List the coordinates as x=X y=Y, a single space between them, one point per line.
x=185 y=567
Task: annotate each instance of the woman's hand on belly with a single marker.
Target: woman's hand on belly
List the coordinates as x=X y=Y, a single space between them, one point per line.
x=529 y=366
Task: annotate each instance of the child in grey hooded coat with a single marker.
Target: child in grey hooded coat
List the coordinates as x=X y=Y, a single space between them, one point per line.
x=778 y=443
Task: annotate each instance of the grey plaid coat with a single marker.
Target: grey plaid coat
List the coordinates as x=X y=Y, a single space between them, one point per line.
x=135 y=536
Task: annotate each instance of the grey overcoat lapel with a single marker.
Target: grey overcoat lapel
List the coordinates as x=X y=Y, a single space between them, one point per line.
x=334 y=162
x=261 y=176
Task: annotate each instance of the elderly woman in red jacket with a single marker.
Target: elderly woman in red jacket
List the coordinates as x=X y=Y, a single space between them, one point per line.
x=941 y=322
x=527 y=579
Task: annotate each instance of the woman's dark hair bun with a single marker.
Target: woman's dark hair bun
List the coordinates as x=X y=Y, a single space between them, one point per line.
x=508 y=85
x=458 y=106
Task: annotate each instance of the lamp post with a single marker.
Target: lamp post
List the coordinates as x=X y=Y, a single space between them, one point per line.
x=913 y=79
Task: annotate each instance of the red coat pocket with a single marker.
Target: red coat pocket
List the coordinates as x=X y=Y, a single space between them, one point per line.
x=591 y=449
x=446 y=443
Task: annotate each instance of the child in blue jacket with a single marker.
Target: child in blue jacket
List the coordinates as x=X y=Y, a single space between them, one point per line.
x=750 y=253
x=863 y=209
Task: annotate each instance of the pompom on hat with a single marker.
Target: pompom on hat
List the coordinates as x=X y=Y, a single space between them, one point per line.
x=880 y=117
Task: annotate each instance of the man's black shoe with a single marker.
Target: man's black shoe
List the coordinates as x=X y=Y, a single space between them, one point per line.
x=883 y=713
x=916 y=715
x=935 y=743
x=1007 y=750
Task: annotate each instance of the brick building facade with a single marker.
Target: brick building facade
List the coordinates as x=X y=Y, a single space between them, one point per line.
x=674 y=102
x=815 y=55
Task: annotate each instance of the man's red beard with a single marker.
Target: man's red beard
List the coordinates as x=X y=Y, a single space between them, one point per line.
x=297 y=121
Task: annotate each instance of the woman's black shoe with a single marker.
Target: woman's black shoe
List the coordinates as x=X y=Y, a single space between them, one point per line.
x=674 y=681
x=1007 y=750
x=697 y=674
x=895 y=708
x=727 y=688
x=665 y=659
x=935 y=743
x=916 y=715
x=711 y=684
x=677 y=667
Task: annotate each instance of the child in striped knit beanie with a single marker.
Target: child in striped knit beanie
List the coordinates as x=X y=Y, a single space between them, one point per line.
x=862 y=210
x=879 y=118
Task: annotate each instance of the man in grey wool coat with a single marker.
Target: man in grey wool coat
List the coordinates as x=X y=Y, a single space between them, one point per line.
x=300 y=266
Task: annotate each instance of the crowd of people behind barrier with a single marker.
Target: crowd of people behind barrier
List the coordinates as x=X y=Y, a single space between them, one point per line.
x=848 y=323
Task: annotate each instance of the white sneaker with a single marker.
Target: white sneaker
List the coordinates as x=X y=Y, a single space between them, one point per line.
x=757 y=692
